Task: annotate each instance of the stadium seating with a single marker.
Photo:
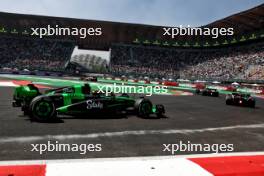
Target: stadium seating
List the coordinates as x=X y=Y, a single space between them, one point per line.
x=237 y=62
x=34 y=54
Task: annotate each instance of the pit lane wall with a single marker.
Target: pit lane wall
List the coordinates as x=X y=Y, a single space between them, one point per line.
x=236 y=164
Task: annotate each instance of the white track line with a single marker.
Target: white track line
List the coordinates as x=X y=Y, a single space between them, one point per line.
x=24 y=139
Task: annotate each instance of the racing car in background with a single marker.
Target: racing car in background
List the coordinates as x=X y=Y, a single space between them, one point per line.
x=240 y=99
x=208 y=92
x=89 y=78
x=79 y=100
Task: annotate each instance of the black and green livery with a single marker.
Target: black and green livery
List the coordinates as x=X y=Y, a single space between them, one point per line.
x=79 y=100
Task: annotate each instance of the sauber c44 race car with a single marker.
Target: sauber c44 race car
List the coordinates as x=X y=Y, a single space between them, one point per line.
x=240 y=99
x=78 y=100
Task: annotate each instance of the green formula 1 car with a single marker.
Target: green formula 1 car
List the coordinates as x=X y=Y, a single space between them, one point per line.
x=78 y=100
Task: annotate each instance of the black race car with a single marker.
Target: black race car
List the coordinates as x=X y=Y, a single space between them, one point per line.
x=240 y=99
x=90 y=78
x=208 y=92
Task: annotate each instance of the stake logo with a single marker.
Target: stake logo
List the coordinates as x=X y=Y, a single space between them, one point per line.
x=94 y=105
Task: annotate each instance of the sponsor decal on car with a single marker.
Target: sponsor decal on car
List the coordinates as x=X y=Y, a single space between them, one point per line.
x=94 y=105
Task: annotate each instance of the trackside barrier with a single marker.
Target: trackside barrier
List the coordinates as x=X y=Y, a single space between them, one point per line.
x=243 y=164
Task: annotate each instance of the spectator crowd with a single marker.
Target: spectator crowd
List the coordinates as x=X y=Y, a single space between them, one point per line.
x=233 y=62
x=34 y=54
x=243 y=63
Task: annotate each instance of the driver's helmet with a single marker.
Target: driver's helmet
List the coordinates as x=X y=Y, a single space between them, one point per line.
x=86 y=89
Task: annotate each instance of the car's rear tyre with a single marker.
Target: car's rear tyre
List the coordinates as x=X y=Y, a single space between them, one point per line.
x=143 y=107
x=228 y=101
x=42 y=109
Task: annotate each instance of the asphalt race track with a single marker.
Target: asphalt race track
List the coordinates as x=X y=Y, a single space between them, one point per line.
x=196 y=119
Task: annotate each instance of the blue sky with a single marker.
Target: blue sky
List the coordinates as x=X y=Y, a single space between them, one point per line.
x=155 y=12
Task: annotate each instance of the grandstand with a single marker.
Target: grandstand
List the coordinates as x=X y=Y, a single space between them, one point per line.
x=21 y=53
x=89 y=63
x=139 y=50
x=254 y=72
x=229 y=63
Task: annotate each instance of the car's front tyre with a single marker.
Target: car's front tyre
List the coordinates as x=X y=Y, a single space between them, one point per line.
x=143 y=107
